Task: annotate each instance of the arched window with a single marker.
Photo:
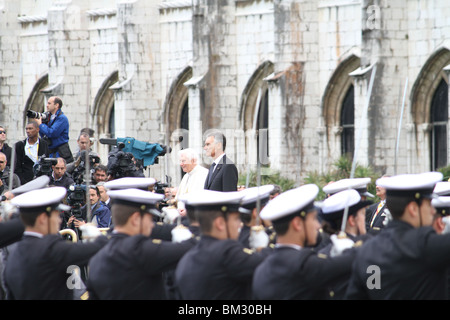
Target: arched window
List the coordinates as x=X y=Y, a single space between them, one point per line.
x=439 y=119
x=184 y=123
x=262 y=126
x=348 y=124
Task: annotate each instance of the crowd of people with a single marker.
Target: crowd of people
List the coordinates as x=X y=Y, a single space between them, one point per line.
x=210 y=239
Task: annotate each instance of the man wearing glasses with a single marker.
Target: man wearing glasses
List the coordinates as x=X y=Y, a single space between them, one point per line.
x=5 y=174
x=3 y=145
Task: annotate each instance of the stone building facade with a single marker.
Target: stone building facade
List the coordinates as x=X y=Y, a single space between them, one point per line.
x=299 y=82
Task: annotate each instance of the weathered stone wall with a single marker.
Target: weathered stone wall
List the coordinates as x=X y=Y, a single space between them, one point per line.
x=142 y=60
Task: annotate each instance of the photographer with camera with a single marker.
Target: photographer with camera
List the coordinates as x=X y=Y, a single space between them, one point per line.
x=54 y=127
x=29 y=151
x=5 y=175
x=100 y=215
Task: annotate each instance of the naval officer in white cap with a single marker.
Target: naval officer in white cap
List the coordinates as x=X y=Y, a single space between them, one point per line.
x=358 y=184
x=253 y=232
x=407 y=260
x=441 y=220
x=333 y=210
x=132 y=264
x=160 y=230
x=38 y=268
x=11 y=227
x=294 y=270
x=219 y=267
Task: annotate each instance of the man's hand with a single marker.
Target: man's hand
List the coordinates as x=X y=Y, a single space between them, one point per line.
x=39 y=121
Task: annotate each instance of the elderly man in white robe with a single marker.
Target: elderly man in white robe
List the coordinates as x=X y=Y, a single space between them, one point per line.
x=195 y=176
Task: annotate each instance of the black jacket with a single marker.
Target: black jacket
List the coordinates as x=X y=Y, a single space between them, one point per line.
x=408 y=264
x=37 y=269
x=24 y=165
x=224 y=176
x=131 y=267
x=216 y=270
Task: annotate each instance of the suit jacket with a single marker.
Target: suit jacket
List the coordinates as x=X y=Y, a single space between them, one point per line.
x=24 y=165
x=379 y=219
x=224 y=176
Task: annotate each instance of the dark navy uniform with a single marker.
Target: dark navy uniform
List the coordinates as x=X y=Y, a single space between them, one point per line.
x=38 y=267
x=219 y=266
x=291 y=273
x=407 y=260
x=412 y=263
x=131 y=267
x=217 y=270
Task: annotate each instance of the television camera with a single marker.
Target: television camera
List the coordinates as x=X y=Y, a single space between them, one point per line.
x=44 y=166
x=79 y=172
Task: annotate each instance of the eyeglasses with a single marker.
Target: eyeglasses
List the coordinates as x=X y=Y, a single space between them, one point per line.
x=2 y=132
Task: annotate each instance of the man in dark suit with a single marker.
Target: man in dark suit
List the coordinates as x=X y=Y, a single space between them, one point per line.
x=375 y=214
x=223 y=174
x=28 y=152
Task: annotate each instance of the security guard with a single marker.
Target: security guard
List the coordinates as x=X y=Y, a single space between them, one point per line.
x=131 y=265
x=332 y=212
x=407 y=260
x=294 y=270
x=40 y=266
x=219 y=266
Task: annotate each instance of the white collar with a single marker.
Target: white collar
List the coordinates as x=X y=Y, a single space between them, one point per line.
x=219 y=158
x=289 y=245
x=33 y=234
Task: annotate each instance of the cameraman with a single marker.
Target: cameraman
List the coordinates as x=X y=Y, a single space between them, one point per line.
x=56 y=130
x=5 y=174
x=100 y=214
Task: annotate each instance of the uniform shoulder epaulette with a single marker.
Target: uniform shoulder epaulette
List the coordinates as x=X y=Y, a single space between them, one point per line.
x=85 y=296
x=156 y=241
x=358 y=243
x=248 y=251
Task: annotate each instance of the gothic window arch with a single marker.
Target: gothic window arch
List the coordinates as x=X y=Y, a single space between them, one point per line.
x=438 y=122
x=348 y=123
x=104 y=106
x=36 y=100
x=254 y=114
x=176 y=109
x=338 y=110
x=427 y=112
